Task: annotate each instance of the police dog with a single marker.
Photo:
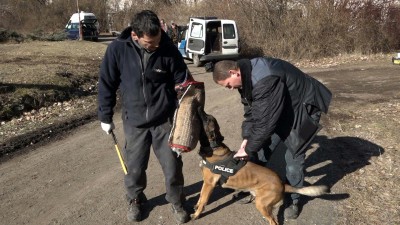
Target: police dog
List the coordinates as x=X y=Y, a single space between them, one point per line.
x=263 y=183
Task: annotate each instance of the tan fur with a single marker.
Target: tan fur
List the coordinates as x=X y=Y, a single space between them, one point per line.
x=309 y=191
x=262 y=182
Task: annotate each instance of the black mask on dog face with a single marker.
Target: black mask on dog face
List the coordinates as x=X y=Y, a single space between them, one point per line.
x=210 y=134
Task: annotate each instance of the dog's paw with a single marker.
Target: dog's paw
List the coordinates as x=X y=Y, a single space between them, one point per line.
x=193 y=216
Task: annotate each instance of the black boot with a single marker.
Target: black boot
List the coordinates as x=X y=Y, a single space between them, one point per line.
x=291 y=212
x=134 y=211
x=135 y=207
x=180 y=213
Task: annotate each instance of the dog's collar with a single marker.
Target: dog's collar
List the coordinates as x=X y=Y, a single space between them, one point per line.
x=226 y=167
x=228 y=158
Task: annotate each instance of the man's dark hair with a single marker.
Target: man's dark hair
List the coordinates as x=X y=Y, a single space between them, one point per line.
x=221 y=69
x=145 y=22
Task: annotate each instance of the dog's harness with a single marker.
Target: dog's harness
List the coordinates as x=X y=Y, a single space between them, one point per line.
x=226 y=167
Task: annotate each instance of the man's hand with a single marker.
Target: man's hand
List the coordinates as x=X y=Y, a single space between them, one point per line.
x=107 y=127
x=241 y=153
x=244 y=143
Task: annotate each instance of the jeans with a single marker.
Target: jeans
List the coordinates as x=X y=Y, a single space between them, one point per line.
x=294 y=164
x=137 y=152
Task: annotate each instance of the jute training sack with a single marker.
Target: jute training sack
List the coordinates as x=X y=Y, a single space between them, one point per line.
x=186 y=125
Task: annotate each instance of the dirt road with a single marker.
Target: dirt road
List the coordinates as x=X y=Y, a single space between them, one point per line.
x=77 y=179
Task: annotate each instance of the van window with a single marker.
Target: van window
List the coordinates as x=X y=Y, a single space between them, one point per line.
x=197 y=30
x=229 y=31
x=86 y=17
x=72 y=26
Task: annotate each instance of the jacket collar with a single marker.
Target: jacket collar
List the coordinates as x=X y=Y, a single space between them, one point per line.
x=245 y=71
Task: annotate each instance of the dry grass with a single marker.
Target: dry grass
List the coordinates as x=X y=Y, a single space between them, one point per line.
x=370 y=167
x=37 y=74
x=45 y=84
x=373 y=189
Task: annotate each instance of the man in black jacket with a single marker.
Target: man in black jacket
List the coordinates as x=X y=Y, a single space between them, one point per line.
x=282 y=104
x=146 y=67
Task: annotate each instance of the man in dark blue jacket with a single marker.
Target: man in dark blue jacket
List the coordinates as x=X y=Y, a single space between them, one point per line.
x=145 y=66
x=282 y=104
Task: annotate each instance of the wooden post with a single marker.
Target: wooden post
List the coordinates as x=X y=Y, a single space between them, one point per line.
x=80 y=23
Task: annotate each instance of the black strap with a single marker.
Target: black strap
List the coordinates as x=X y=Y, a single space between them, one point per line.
x=226 y=167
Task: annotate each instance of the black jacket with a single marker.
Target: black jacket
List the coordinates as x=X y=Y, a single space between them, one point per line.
x=279 y=98
x=148 y=95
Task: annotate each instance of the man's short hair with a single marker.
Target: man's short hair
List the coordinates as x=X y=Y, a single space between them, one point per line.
x=221 y=69
x=145 y=22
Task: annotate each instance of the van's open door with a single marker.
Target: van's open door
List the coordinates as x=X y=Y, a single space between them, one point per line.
x=197 y=36
x=230 y=37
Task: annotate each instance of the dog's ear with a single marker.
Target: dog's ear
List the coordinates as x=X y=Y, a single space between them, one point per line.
x=202 y=114
x=217 y=131
x=204 y=142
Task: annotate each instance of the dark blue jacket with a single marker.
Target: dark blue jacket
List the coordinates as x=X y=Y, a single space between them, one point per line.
x=280 y=99
x=148 y=94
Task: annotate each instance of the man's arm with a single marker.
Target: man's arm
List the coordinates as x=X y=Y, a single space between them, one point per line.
x=109 y=81
x=248 y=119
x=268 y=103
x=178 y=67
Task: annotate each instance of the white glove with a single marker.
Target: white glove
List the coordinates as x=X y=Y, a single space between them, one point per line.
x=107 y=127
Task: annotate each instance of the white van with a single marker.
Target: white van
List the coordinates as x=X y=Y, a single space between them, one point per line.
x=209 y=39
x=90 y=26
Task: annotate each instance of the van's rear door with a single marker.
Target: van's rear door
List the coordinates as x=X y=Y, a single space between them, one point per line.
x=230 y=37
x=196 y=37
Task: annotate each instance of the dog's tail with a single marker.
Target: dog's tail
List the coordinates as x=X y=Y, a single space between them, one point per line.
x=309 y=191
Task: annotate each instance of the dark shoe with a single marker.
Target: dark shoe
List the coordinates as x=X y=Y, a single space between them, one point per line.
x=243 y=197
x=291 y=212
x=134 y=211
x=180 y=213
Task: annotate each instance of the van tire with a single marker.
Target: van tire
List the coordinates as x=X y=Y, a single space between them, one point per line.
x=196 y=60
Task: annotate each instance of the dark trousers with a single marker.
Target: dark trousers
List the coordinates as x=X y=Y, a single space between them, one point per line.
x=137 y=152
x=294 y=163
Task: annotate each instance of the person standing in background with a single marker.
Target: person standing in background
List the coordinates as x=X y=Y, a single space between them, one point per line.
x=173 y=33
x=164 y=25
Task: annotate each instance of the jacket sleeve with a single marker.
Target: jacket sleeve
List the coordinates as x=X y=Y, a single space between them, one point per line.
x=267 y=106
x=109 y=80
x=248 y=121
x=178 y=66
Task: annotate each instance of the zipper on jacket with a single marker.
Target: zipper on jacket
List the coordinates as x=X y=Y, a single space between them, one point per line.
x=144 y=85
x=142 y=69
x=144 y=90
x=145 y=99
x=248 y=103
